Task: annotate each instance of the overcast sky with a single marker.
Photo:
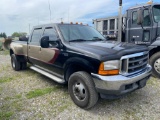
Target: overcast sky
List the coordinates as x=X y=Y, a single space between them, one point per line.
x=16 y=15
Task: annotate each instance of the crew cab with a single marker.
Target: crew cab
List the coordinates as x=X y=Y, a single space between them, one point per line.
x=78 y=55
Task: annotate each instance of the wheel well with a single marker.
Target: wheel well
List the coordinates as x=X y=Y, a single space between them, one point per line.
x=153 y=51
x=11 y=52
x=74 y=68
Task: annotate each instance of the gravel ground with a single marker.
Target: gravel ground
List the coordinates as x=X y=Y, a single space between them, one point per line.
x=21 y=98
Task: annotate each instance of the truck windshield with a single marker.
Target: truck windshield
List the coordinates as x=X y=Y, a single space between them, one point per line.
x=73 y=33
x=156 y=13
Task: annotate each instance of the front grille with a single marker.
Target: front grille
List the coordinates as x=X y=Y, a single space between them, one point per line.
x=133 y=63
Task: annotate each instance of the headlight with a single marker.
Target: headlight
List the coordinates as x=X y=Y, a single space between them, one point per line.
x=109 y=68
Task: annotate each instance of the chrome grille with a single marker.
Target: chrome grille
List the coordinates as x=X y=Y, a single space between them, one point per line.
x=133 y=63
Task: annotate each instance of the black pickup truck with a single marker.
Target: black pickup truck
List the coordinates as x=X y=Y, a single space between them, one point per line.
x=78 y=55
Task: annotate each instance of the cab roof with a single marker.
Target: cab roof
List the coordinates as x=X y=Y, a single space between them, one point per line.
x=54 y=24
x=142 y=5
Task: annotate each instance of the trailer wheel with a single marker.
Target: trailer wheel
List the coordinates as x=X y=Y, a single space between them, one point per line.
x=155 y=63
x=82 y=90
x=15 y=63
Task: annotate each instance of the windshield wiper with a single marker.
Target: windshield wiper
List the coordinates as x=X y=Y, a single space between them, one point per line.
x=98 y=39
x=77 y=40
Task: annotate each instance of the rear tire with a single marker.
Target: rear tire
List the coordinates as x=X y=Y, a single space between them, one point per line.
x=155 y=63
x=15 y=63
x=82 y=90
x=23 y=65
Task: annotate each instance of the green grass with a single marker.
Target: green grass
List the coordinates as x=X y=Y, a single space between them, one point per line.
x=18 y=96
x=5 y=115
x=153 y=81
x=62 y=108
x=5 y=67
x=6 y=79
x=5 y=52
x=40 y=92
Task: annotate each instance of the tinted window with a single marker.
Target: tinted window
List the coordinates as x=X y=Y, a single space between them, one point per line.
x=134 y=17
x=146 y=21
x=51 y=33
x=36 y=35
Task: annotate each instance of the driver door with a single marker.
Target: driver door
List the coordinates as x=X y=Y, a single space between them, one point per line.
x=140 y=34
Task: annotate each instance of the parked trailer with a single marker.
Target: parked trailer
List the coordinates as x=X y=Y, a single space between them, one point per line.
x=141 y=25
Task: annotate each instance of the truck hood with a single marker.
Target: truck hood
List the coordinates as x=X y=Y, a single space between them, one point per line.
x=107 y=50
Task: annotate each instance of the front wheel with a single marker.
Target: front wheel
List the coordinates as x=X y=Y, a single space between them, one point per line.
x=82 y=90
x=155 y=63
x=15 y=63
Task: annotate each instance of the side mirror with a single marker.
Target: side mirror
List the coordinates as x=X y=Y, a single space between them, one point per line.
x=140 y=17
x=44 y=42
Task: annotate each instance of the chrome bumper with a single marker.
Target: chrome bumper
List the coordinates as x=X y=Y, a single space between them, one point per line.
x=119 y=84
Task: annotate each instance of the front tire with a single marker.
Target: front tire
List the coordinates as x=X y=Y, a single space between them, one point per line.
x=15 y=63
x=155 y=63
x=82 y=90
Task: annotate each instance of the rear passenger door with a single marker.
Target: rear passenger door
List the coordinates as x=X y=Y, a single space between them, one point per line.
x=34 y=46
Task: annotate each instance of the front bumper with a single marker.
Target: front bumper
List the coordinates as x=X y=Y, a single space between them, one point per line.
x=119 y=84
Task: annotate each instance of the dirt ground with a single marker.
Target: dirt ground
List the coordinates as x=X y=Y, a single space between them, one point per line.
x=29 y=95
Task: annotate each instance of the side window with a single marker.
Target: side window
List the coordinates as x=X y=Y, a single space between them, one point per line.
x=146 y=21
x=36 y=35
x=134 y=17
x=51 y=32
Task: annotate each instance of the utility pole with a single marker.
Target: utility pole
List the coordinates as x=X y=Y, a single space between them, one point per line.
x=120 y=22
x=49 y=9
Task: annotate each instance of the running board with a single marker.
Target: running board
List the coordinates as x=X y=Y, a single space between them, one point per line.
x=59 y=80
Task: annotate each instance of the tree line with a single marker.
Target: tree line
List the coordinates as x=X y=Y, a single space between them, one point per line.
x=15 y=34
x=3 y=34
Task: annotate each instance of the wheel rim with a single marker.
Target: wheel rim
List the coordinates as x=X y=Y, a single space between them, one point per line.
x=79 y=91
x=13 y=63
x=157 y=65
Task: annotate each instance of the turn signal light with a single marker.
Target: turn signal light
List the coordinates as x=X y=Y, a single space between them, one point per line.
x=107 y=72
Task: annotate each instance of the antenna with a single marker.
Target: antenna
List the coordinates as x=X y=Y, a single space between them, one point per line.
x=29 y=28
x=61 y=19
x=49 y=9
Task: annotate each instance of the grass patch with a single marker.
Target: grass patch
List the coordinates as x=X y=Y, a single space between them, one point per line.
x=5 y=67
x=40 y=92
x=5 y=52
x=6 y=79
x=62 y=108
x=18 y=96
x=17 y=106
x=131 y=114
x=153 y=81
x=5 y=115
